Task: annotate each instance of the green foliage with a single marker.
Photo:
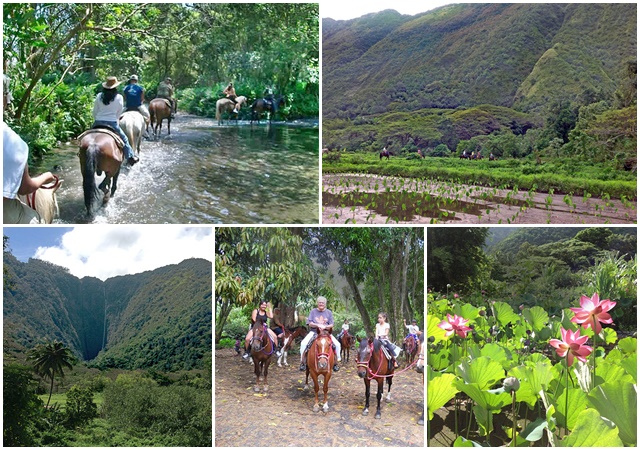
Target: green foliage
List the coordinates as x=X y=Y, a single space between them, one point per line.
x=80 y=408
x=20 y=408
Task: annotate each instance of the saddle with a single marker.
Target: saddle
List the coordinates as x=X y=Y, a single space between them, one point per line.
x=167 y=101
x=104 y=130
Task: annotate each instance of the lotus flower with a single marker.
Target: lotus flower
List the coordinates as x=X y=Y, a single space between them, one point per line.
x=455 y=324
x=591 y=308
x=571 y=345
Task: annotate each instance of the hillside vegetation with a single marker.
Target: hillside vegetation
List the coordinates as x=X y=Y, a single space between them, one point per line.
x=159 y=319
x=509 y=79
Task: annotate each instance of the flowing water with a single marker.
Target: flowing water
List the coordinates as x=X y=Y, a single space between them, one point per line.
x=205 y=173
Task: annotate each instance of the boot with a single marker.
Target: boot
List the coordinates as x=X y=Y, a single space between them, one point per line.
x=303 y=366
x=246 y=354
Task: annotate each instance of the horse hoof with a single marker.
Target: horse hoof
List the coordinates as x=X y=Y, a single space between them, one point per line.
x=256 y=389
x=421 y=422
x=325 y=408
x=306 y=387
x=388 y=399
x=377 y=416
x=266 y=388
x=316 y=408
x=365 y=412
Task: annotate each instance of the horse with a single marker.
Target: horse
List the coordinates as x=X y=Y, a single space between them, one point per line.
x=320 y=361
x=99 y=153
x=373 y=364
x=159 y=109
x=420 y=369
x=465 y=155
x=262 y=105
x=385 y=153
x=226 y=105
x=410 y=346
x=132 y=123
x=262 y=349
x=44 y=200
x=346 y=341
x=290 y=335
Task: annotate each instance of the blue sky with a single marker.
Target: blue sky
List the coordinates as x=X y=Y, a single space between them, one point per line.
x=106 y=251
x=357 y=8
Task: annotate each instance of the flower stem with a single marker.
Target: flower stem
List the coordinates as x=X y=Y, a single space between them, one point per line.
x=595 y=350
x=515 y=418
x=566 y=398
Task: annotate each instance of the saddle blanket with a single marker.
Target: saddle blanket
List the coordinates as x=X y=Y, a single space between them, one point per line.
x=113 y=134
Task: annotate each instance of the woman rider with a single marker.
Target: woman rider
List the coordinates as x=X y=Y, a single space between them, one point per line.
x=264 y=312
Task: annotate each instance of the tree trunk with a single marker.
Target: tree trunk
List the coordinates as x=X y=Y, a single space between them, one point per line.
x=366 y=320
x=50 y=392
x=221 y=320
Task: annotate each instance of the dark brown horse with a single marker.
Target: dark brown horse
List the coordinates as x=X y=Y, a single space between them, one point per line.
x=262 y=349
x=99 y=154
x=373 y=364
x=410 y=347
x=290 y=334
x=160 y=109
x=385 y=153
x=320 y=360
x=346 y=341
x=262 y=105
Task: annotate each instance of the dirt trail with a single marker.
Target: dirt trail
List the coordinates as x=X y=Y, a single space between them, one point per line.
x=482 y=206
x=284 y=417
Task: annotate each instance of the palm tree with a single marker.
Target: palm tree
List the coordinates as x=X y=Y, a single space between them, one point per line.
x=51 y=359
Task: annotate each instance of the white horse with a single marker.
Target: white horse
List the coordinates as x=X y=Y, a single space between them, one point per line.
x=133 y=124
x=44 y=201
x=227 y=105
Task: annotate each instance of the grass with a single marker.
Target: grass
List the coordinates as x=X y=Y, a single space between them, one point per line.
x=561 y=175
x=61 y=399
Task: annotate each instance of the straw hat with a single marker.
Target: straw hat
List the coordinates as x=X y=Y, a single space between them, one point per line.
x=111 y=83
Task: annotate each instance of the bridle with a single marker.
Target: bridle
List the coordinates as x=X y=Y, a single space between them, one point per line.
x=265 y=333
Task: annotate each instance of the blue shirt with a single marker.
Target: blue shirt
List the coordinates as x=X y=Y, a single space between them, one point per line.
x=133 y=95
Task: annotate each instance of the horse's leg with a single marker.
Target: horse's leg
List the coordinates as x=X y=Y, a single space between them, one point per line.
x=389 y=382
x=379 y=396
x=367 y=392
x=327 y=377
x=316 y=388
x=169 y=126
x=266 y=371
x=306 y=380
x=114 y=184
x=256 y=370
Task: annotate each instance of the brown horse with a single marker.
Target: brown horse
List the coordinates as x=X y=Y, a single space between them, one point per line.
x=346 y=341
x=410 y=347
x=320 y=360
x=225 y=105
x=160 y=109
x=385 y=153
x=262 y=105
x=373 y=365
x=99 y=153
x=262 y=349
x=290 y=334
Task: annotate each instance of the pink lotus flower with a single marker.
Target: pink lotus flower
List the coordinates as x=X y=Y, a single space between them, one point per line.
x=455 y=324
x=591 y=308
x=571 y=345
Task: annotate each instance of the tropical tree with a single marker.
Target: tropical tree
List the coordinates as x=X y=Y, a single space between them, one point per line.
x=51 y=359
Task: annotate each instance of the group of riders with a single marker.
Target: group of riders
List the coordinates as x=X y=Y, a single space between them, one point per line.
x=108 y=106
x=320 y=319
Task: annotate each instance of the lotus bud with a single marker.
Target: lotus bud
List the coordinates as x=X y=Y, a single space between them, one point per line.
x=482 y=312
x=511 y=384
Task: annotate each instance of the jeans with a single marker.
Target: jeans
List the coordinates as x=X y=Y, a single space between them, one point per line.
x=128 y=151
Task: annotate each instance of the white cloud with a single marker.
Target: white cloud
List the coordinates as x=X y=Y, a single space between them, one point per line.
x=106 y=251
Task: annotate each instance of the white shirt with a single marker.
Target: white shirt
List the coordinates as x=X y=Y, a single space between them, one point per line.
x=15 y=153
x=110 y=112
x=382 y=330
x=345 y=326
x=413 y=329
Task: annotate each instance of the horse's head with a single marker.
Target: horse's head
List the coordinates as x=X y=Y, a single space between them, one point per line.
x=323 y=351
x=259 y=334
x=363 y=357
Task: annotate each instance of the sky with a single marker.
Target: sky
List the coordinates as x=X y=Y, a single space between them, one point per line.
x=352 y=9
x=106 y=251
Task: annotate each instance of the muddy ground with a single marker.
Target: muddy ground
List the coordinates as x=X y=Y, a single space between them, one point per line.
x=283 y=417
x=502 y=206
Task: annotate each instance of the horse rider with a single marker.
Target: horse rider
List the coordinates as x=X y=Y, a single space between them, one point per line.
x=166 y=91
x=107 y=109
x=264 y=312
x=320 y=318
x=230 y=93
x=134 y=99
x=382 y=334
x=16 y=178
x=268 y=97
x=345 y=329
x=413 y=329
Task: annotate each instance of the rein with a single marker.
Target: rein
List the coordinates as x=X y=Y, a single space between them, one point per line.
x=371 y=374
x=268 y=340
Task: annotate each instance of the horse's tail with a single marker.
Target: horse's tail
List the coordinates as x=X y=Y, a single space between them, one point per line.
x=218 y=113
x=92 y=196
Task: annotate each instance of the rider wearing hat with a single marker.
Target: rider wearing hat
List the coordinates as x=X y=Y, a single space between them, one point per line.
x=134 y=98
x=107 y=109
x=319 y=319
x=165 y=90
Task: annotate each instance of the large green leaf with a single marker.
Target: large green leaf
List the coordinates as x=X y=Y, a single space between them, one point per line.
x=537 y=317
x=439 y=391
x=467 y=310
x=433 y=330
x=484 y=399
x=526 y=393
x=630 y=364
x=592 y=431
x=484 y=417
x=577 y=403
x=618 y=403
x=610 y=373
x=483 y=371
x=496 y=353
x=504 y=313
x=438 y=359
x=462 y=442
x=534 y=430
x=628 y=345
x=609 y=335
